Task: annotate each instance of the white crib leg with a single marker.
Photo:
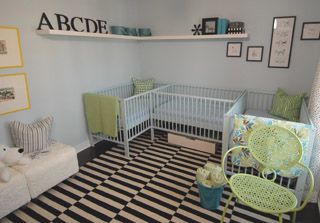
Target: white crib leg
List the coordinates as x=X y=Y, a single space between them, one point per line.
x=152 y=134
x=91 y=141
x=126 y=149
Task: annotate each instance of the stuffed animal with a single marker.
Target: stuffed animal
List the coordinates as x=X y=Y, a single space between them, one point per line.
x=10 y=157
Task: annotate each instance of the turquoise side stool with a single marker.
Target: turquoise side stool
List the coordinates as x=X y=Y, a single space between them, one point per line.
x=275 y=148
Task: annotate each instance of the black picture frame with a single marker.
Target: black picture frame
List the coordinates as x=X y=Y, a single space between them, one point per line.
x=213 y=21
x=234 y=54
x=281 y=35
x=248 y=59
x=304 y=29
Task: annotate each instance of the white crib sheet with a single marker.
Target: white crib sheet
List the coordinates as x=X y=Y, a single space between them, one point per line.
x=201 y=115
x=261 y=113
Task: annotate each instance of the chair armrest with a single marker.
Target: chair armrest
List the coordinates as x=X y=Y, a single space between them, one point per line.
x=224 y=159
x=309 y=194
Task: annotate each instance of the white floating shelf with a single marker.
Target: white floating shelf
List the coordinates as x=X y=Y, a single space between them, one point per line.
x=52 y=32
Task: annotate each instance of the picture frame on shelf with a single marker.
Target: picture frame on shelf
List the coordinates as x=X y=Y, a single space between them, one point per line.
x=14 y=93
x=10 y=47
x=310 y=31
x=281 y=41
x=210 y=26
x=255 y=53
x=234 y=49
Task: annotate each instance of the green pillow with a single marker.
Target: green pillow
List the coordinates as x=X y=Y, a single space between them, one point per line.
x=141 y=86
x=286 y=106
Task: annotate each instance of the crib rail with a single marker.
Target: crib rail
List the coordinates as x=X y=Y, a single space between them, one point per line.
x=202 y=91
x=189 y=115
x=137 y=114
x=260 y=100
x=238 y=107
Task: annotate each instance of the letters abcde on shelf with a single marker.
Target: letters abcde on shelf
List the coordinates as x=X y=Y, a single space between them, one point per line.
x=77 y=24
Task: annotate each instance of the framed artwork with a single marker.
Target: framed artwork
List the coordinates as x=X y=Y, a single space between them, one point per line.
x=10 y=47
x=255 y=53
x=14 y=93
x=310 y=31
x=234 y=49
x=281 y=41
x=209 y=26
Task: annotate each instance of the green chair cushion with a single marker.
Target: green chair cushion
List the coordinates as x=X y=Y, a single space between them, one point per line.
x=141 y=86
x=261 y=194
x=286 y=106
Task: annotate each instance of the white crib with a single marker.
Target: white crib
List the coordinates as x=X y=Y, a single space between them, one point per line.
x=134 y=117
x=258 y=104
x=191 y=110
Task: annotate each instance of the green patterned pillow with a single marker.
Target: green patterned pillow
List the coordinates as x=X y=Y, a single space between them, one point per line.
x=141 y=86
x=286 y=106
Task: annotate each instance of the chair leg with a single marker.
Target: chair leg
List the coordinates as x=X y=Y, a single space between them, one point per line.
x=226 y=207
x=293 y=217
x=280 y=218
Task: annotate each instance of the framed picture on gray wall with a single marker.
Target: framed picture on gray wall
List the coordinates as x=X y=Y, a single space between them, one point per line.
x=310 y=31
x=234 y=49
x=255 y=53
x=281 y=41
x=209 y=26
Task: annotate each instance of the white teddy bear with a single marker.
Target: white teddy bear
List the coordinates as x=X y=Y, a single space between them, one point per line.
x=10 y=157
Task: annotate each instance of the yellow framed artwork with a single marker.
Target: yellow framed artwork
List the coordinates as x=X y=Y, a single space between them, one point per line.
x=10 y=47
x=14 y=93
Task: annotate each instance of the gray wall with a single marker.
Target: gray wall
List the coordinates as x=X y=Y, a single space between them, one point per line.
x=61 y=69
x=205 y=62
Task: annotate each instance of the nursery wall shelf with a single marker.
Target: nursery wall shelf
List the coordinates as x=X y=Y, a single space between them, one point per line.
x=138 y=38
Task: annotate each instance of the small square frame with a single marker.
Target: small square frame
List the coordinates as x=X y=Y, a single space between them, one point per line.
x=310 y=31
x=213 y=21
x=252 y=50
x=234 y=49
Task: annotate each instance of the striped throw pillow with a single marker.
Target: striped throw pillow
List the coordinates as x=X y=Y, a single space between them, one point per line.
x=141 y=86
x=33 y=137
x=286 y=106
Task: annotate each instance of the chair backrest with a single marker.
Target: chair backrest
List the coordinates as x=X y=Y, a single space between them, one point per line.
x=275 y=147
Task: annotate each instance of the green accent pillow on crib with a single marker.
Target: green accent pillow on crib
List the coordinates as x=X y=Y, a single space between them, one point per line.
x=286 y=106
x=141 y=86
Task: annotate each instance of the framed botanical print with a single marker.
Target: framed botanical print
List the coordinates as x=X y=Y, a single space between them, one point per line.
x=310 y=31
x=10 y=47
x=14 y=93
x=281 y=41
x=234 y=49
x=255 y=53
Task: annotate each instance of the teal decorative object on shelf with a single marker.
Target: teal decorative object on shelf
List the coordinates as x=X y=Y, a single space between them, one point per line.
x=119 y=30
x=223 y=25
x=132 y=31
x=145 y=32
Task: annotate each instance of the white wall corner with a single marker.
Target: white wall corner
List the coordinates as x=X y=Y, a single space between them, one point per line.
x=82 y=146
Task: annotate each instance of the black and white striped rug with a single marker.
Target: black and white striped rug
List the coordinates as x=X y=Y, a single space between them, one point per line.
x=157 y=184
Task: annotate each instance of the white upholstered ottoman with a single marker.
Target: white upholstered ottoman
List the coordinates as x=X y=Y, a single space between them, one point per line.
x=49 y=169
x=13 y=194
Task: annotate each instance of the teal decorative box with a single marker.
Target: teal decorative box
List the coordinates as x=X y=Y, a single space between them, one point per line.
x=145 y=32
x=119 y=30
x=132 y=31
x=223 y=25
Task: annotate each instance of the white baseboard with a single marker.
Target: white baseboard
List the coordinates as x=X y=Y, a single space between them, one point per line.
x=82 y=146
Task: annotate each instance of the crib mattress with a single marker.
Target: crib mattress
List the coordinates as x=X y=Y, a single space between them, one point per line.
x=261 y=113
x=199 y=114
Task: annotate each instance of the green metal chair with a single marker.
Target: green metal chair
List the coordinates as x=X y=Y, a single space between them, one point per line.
x=274 y=148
